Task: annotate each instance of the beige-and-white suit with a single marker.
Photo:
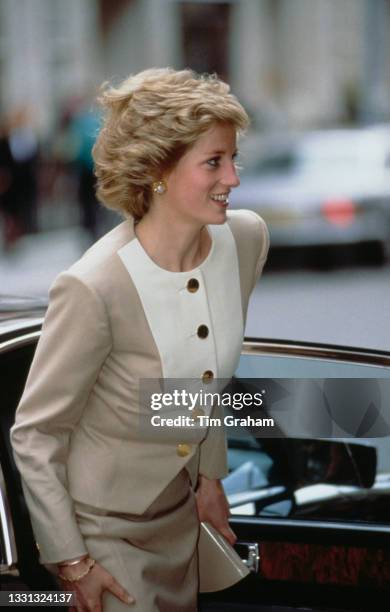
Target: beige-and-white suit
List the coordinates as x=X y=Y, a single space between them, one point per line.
x=91 y=481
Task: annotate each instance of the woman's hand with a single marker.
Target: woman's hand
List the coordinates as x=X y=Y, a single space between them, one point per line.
x=213 y=507
x=89 y=590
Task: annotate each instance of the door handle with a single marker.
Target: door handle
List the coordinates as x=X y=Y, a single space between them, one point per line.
x=250 y=555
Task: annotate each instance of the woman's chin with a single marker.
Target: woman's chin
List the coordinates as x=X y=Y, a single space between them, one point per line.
x=218 y=215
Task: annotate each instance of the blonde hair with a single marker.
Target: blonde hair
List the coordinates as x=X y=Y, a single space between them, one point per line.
x=149 y=121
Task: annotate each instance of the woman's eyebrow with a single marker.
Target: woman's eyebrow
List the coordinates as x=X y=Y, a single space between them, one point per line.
x=220 y=152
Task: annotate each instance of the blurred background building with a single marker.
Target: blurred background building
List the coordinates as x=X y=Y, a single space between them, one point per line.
x=302 y=63
x=49 y=52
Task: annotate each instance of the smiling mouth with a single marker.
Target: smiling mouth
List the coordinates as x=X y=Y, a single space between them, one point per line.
x=221 y=197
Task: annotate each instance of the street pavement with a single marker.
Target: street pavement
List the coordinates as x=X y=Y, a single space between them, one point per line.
x=348 y=306
x=32 y=264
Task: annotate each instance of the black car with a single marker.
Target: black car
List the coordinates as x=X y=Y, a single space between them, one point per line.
x=312 y=514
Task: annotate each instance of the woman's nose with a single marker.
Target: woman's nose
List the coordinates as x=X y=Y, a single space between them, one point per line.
x=231 y=178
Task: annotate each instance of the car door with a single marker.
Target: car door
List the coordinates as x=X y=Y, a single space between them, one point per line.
x=315 y=537
x=19 y=566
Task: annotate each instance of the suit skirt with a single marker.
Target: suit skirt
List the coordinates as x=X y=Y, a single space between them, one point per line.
x=153 y=555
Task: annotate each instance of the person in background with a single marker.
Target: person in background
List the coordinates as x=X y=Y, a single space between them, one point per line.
x=22 y=196
x=85 y=127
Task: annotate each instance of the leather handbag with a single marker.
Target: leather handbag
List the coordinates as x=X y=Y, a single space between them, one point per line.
x=219 y=565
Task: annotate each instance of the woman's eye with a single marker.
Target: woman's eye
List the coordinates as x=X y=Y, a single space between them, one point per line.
x=214 y=162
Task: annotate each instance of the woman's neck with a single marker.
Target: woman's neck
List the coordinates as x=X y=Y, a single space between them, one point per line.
x=173 y=245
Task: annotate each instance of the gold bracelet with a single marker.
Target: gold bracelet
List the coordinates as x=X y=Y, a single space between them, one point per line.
x=74 y=562
x=90 y=566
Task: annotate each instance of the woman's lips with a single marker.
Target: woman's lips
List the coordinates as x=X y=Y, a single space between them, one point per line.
x=221 y=203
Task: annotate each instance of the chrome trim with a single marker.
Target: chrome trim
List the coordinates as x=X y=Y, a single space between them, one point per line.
x=26 y=339
x=7 y=530
x=252 y=560
x=14 y=328
x=310 y=524
x=283 y=348
x=265 y=346
x=247 y=497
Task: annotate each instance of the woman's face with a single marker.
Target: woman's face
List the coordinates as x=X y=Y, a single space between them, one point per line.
x=200 y=182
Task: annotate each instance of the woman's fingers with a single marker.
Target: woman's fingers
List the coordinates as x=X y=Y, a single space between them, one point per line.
x=229 y=535
x=92 y=606
x=116 y=589
x=83 y=603
x=213 y=507
x=90 y=589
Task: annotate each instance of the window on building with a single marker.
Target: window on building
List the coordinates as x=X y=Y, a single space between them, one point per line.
x=205 y=27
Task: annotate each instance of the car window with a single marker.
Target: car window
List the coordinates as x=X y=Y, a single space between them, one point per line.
x=318 y=153
x=276 y=163
x=364 y=153
x=296 y=478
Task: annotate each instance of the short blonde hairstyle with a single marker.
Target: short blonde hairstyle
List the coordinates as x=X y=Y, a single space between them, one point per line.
x=149 y=121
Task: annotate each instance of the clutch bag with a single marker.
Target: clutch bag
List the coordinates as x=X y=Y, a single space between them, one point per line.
x=219 y=565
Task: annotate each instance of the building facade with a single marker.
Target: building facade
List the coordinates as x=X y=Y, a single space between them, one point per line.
x=299 y=63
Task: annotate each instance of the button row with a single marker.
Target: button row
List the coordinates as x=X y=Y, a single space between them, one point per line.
x=192 y=287
x=183 y=450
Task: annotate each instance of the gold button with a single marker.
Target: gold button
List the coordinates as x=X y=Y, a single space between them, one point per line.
x=193 y=285
x=183 y=450
x=197 y=413
x=207 y=376
x=203 y=331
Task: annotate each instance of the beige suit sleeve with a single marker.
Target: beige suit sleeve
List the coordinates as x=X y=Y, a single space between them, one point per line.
x=213 y=449
x=263 y=240
x=74 y=343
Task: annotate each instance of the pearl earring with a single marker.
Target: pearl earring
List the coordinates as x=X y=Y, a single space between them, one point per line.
x=159 y=187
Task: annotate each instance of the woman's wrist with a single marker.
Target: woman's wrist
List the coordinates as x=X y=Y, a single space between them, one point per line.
x=208 y=479
x=204 y=481
x=72 y=562
x=73 y=573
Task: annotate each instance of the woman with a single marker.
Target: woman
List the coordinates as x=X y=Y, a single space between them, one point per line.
x=162 y=295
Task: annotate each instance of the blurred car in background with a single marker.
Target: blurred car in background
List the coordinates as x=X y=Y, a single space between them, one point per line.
x=321 y=189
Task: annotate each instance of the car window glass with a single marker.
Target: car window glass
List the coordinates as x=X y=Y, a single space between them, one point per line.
x=278 y=163
x=264 y=479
